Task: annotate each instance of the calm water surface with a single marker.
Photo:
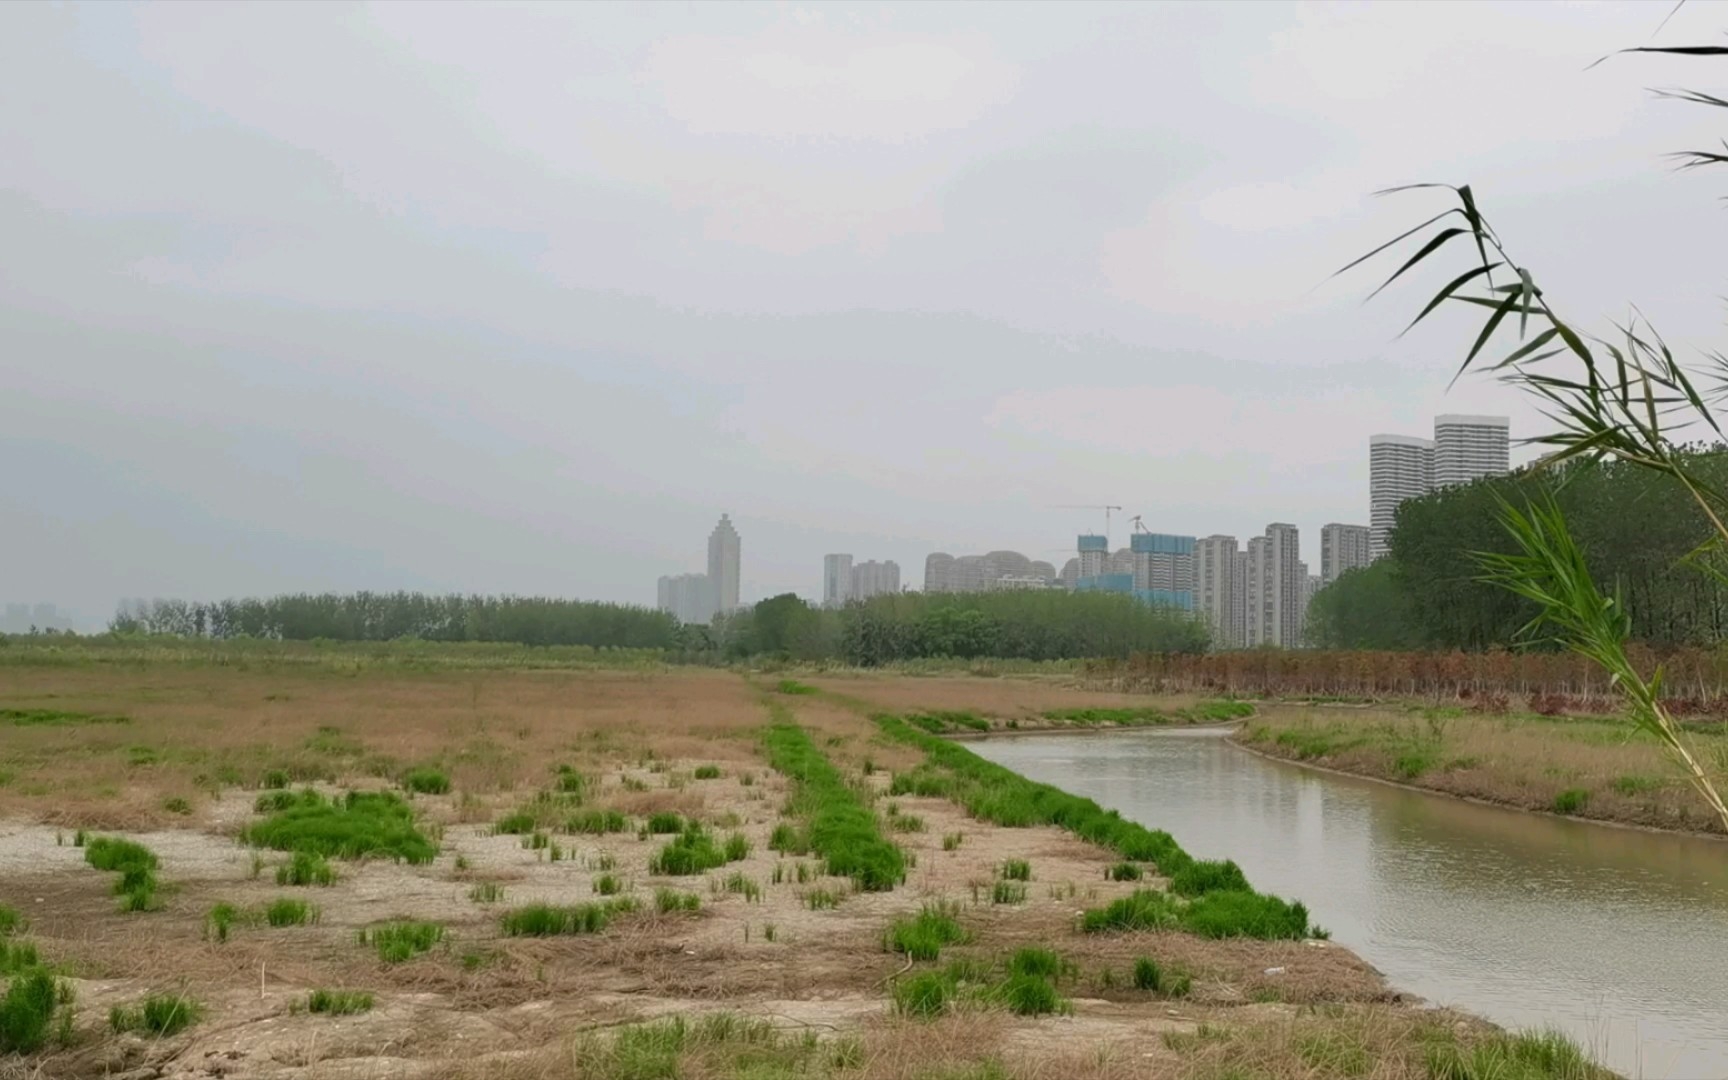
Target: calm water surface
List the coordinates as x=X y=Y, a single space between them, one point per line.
x=1617 y=937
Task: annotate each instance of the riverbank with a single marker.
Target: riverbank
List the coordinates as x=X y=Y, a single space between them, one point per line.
x=631 y=871
x=1597 y=770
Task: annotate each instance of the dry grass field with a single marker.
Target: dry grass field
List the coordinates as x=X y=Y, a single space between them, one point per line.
x=1585 y=767
x=780 y=970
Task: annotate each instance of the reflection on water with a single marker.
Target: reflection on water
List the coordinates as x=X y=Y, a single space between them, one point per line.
x=1617 y=937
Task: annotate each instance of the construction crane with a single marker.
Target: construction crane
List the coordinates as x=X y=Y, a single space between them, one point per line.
x=1094 y=506
x=1139 y=526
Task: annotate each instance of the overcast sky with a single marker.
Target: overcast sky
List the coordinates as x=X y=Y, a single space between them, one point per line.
x=485 y=298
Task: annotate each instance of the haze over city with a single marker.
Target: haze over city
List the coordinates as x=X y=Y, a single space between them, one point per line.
x=521 y=299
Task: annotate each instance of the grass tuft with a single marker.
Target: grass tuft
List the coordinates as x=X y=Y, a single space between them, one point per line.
x=691 y=852
x=359 y=825
x=399 y=941
x=925 y=995
x=671 y=901
x=707 y=772
x=305 y=868
x=923 y=936
x=1143 y=909
x=1571 y=800
x=339 y=1002
x=1205 y=876
x=287 y=911
x=426 y=781
x=596 y=822
x=665 y=823
x=1016 y=870
x=27 y=1010
x=1035 y=961
x=1125 y=871
x=158 y=1014
x=548 y=920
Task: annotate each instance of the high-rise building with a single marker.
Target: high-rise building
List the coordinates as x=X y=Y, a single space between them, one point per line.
x=724 y=551
x=836 y=580
x=1256 y=585
x=1311 y=586
x=978 y=573
x=1342 y=547
x=872 y=578
x=1070 y=575
x=1399 y=467
x=689 y=598
x=1468 y=448
x=1163 y=568
x=1217 y=589
x=1094 y=554
x=1288 y=577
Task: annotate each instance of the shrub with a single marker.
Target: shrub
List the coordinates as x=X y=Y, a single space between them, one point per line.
x=339 y=1002
x=925 y=995
x=398 y=941
x=547 y=920
x=571 y=782
x=1147 y=974
x=665 y=822
x=360 y=824
x=1143 y=909
x=426 y=781
x=1016 y=870
x=692 y=852
x=923 y=936
x=596 y=822
x=26 y=1011
x=305 y=868
x=286 y=911
x=1125 y=871
x=669 y=901
x=1205 y=876
x=1035 y=961
x=1245 y=914
x=707 y=772
x=159 y=1014
x=1571 y=801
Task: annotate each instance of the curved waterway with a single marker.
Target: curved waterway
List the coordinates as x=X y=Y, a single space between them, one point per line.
x=1617 y=937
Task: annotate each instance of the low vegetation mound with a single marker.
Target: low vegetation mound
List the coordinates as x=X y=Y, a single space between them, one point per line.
x=359 y=825
x=842 y=828
x=549 y=920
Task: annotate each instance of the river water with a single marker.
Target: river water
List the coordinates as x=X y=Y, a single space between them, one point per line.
x=1617 y=937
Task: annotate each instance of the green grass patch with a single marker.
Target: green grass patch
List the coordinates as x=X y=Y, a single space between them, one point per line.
x=399 y=941
x=550 y=920
x=1571 y=801
x=359 y=825
x=596 y=822
x=274 y=779
x=305 y=868
x=925 y=995
x=952 y=841
x=925 y=935
x=426 y=781
x=672 y=901
x=136 y=865
x=177 y=805
x=1035 y=961
x=11 y=922
x=486 y=892
x=821 y=899
x=690 y=852
x=570 y=782
x=1008 y=892
x=707 y=772
x=842 y=829
x=1206 y=876
x=158 y=1014
x=27 y=1011
x=1529 y=1056
x=608 y=885
x=1148 y=975
x=1015 y=870
x=221 y=919
x=1125 y=871
x=946 y=720
x=1143 y=909
x=664 y=823
x=287 y=911
x=788 y=839
x=1245 y=914
x=1144 y=716
x=1635 y=785
x=18 y=956
x=55 y=718
x=339 y=1002
x=793 y=687
x=1031 y=995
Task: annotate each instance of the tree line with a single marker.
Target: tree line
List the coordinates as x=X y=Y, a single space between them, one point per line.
x=1640 y=533
x=909 y=626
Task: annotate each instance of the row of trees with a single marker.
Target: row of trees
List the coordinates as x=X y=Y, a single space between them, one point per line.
x=369 y=616
x=911 y=626
x=1637 y=530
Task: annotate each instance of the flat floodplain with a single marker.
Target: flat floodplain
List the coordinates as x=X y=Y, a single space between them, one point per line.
x=375 y=866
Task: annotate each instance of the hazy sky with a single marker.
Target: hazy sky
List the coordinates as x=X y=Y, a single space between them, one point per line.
x=432 y=296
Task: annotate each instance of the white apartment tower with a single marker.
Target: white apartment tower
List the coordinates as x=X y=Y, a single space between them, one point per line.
x=1284 y=588
x=1239 y=599
x=1342 y=547
x=872 y=578
x=687 y=598
x=1255 y=605
x=723 y=559
x=1399 y=467
x=1217 y=589
x=1468 y=448
x=836 y=580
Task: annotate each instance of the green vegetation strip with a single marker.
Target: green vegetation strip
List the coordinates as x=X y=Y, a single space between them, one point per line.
x=1220 y=902
x=842 y=828
x=136 y=865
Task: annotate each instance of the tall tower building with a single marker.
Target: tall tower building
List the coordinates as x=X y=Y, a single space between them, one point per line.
x=1257 y=615
x=1217 y=595
x=1342 y=547
x=1399 y=467
x=836 y=580
x=872 y=578
x=1468 y=448
x=1094 y=554
x=1287 y=581
x=723 y=559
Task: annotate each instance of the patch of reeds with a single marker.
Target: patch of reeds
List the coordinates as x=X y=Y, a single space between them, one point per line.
x=339 y=1002
x=400 y=941
x=671 y=901
x=923 y=936
x=551 y=920
x=690 y=852
x=136 y=865
x=158 y=1014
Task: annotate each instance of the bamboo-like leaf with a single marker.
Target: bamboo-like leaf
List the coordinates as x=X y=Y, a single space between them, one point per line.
x=1395 y=240
x=1434 y=244
x=1505 y=306
x=1445 y=294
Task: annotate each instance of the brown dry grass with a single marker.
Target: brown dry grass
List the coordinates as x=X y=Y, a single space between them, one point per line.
x=1520 y=761
x=485 y=1005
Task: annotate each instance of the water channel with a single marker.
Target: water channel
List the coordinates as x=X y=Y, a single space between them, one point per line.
x=1617 y=937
